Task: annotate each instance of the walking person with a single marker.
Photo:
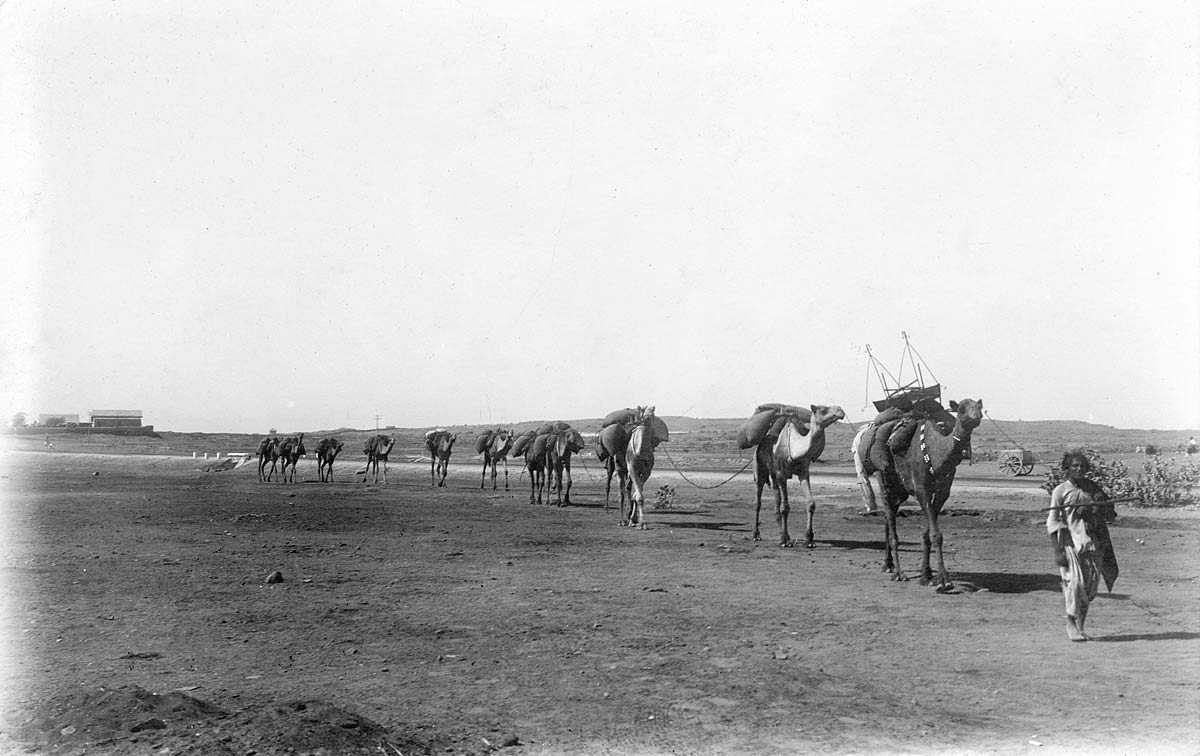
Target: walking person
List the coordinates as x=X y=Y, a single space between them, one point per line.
x=1078 y=528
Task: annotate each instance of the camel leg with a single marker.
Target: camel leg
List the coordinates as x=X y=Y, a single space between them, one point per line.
x=504 y=461
x=609 y=468
x=483 y=474
x=944 y=583
x=782 y=507
x=926 y=547
x=892 y=536
x=637 y=500
x=759 y=482
x=385 y=463
x=809 y=541
x=567 y=496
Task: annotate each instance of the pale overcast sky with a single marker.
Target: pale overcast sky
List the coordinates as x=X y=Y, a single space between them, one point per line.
x=236 y=216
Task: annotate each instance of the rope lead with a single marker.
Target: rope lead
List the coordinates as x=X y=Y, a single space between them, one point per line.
x=697 y=485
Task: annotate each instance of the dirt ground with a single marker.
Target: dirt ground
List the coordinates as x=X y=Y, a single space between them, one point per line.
x=139 y=619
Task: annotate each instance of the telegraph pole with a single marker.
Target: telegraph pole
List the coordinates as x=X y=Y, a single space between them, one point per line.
x=377 y=422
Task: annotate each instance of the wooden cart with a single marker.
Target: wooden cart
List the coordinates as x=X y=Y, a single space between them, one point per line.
x=1016 y=461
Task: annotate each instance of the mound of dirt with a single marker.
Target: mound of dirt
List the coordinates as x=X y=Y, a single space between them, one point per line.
x=228 y=463
x=95 y=715
x=130 y=721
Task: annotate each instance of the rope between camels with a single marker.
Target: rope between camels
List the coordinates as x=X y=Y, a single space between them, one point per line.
x=1011 y=440
x=697 y=485
x=591 y=478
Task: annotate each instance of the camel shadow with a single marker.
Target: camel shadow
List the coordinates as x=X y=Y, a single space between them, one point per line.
x=701 y=525
x=1177 y=635
x=1010 y=582
x=840 y=544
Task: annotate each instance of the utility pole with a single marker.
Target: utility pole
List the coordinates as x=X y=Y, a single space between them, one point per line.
x=377 y=422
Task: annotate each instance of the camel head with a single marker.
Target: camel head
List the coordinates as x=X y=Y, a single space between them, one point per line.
x=824 y=416
x=969 y=412
x=502 y=441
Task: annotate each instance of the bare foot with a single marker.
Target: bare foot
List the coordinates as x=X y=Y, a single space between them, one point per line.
x=1073 y=630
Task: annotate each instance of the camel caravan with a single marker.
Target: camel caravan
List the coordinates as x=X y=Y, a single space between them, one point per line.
x=910 y=449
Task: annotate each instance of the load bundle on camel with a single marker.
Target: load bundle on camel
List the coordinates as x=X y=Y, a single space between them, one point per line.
x=481 y=441
x=521 y=443
x=767 y=422
x=631 y=416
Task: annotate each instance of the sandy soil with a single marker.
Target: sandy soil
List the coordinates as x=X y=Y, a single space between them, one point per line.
x=139 y=619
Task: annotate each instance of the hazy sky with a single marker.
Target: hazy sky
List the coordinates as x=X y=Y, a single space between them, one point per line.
x=236 y=216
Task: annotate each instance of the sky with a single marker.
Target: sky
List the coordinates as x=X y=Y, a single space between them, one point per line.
x=237 y=216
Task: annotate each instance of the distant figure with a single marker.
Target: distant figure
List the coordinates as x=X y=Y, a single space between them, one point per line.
x=50 y=445
x=1191 y=445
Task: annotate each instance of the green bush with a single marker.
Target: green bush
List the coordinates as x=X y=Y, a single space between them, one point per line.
x=1160 y=483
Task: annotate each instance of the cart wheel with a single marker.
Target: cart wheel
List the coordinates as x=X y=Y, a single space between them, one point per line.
x=1009 y=466
x=1026 y=469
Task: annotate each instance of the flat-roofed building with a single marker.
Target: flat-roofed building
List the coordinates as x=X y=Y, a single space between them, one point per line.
x=116 y=418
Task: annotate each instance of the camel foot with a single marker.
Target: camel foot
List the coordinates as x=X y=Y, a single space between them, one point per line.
x=945 y=588
x=756 y=537
x=810 y=544
x=899 y=577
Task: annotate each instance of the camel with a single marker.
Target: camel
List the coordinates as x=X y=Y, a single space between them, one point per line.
x=560 y=445
x=293 y=450
x=327 y=451
x=439 y=442
x=533 y=449
x=377 y=449
x=611 y=442
x=267 y=452
x=925 y=471
x=639 y=461
x=800 y=441
x=494 y=446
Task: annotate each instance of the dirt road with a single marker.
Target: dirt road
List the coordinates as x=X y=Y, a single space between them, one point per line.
x=411 y=619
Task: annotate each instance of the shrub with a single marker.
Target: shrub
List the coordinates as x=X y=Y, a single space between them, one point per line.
x=665 y=498
x=1160 y=484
